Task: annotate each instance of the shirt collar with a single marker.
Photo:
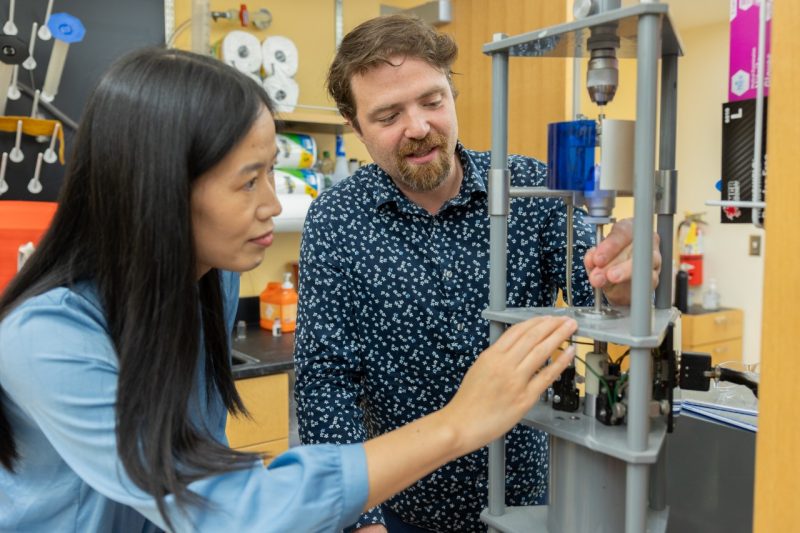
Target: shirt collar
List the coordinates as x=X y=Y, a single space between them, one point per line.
x=385 y=191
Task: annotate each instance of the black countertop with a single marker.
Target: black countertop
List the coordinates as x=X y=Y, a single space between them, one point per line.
x=260 y=354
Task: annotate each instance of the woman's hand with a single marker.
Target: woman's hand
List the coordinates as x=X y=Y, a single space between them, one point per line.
x=500 y=387
x=507 y=379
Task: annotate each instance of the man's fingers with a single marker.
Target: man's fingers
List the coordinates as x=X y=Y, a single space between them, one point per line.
x=621 y=235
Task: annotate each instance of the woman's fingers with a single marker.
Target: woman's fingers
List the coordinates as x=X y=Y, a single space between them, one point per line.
x=529 y=335
x=513 y=334
x=549 y=373
x=543 y=350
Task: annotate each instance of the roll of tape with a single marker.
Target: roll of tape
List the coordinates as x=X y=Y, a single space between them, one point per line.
x=242 y=51
x=280 y=56
x=283 y=91
x=296 y=150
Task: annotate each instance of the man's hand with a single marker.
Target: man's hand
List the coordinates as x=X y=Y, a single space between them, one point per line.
x=610 y=264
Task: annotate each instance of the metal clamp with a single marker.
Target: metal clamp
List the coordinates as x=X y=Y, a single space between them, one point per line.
x=498 y=191
x=666 y=192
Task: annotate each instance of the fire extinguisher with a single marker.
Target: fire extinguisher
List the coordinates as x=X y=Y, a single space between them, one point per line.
x=691 y=233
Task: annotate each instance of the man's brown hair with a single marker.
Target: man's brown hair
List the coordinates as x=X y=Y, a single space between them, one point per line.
x=376 y=41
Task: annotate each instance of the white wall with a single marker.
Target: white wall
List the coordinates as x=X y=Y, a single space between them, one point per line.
x=702 y=88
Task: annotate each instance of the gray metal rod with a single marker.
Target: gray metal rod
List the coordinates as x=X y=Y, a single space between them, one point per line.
x=538 y=192
x=666 y=161
x=636 y=494
x=498 y=234
x=665 y=224
x=658 y=482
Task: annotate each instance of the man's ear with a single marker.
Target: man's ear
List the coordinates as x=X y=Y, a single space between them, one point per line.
x=353 y=123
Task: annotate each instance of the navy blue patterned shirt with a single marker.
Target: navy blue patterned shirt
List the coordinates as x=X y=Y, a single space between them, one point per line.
x=389 y=321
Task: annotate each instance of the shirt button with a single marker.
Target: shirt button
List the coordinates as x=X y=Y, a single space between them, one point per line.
x=460 y=326
x=448 y=274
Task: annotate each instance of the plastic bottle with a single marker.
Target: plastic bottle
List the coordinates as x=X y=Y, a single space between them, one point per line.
x=269 y=304
x=711 y=296
x=325 y=165
x=288 y=304
x=340 y=171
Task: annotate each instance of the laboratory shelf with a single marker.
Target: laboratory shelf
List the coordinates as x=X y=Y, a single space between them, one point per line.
x=313 y=121
x=570 y=39
x=615 y=329
x=590 y=433
x=533 y=519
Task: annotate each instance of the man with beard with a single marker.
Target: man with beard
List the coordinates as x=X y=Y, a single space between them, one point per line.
x=394 y=273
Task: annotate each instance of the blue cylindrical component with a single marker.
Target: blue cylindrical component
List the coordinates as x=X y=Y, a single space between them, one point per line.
x=570 y=155
x=65 y=27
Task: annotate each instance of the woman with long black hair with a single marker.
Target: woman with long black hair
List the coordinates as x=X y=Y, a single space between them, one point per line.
x=115 y=376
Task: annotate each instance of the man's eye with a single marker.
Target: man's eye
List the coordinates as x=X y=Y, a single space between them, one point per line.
x=388 y=120
x=250 y=185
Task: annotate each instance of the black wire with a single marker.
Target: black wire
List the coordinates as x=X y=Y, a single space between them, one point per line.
x=726 y=374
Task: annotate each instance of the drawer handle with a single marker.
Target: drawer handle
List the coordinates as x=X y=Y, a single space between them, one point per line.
x=720 y=320
x=720 y=349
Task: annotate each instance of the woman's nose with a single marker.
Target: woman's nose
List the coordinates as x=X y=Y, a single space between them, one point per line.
x=270 y=206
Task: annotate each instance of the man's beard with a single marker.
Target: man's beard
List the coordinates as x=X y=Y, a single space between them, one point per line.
x=426 y=177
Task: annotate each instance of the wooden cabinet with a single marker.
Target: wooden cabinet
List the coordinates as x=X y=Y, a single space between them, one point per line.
x=718 y=333
x=267 y=429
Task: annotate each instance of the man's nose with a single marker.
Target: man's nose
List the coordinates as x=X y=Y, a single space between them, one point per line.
x=417 y=126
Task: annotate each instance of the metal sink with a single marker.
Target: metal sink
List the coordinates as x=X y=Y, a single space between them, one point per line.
x=242 y=360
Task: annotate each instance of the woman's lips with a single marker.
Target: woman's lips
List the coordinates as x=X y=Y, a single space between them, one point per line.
x=265 y=240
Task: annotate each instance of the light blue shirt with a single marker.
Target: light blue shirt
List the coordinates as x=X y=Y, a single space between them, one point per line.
x=58 y=375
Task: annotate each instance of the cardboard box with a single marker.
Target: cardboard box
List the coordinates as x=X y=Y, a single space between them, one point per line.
x=743 y=60
x=738 y=140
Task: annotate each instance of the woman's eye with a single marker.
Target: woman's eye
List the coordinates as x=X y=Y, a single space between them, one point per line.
x=250 y=185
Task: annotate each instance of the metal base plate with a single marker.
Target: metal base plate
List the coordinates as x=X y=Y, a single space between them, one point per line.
x=533 y=519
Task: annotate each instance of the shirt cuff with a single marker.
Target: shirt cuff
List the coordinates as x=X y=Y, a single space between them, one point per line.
x=355 y=481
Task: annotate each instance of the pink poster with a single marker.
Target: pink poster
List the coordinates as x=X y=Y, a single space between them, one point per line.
x=743 y=65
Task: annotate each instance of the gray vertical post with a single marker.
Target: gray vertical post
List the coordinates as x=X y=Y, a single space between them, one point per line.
x=636 y=493
x=669 y=99
x=665 y=221
x=498 y=233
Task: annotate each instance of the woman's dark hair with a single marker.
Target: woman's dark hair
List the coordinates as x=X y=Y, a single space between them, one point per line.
x=155 y=122
x=377 y=41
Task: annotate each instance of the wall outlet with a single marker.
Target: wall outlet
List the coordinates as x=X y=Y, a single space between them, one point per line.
x=755 y=245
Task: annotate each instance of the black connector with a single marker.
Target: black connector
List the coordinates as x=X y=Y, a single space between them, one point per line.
x=695 y=369
x=565 y=395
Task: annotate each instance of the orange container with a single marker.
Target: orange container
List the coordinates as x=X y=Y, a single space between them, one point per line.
x=279 y=303
x=20 y=223
x=269 y=305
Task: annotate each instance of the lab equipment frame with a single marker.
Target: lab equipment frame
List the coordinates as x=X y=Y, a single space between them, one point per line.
x=591 y=464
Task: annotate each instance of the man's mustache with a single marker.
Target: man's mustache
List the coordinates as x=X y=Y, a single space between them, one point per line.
x=424 y=145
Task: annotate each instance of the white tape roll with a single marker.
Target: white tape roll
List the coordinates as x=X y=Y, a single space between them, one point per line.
x=280 y=56
x=283 y=91
x=242 y=51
